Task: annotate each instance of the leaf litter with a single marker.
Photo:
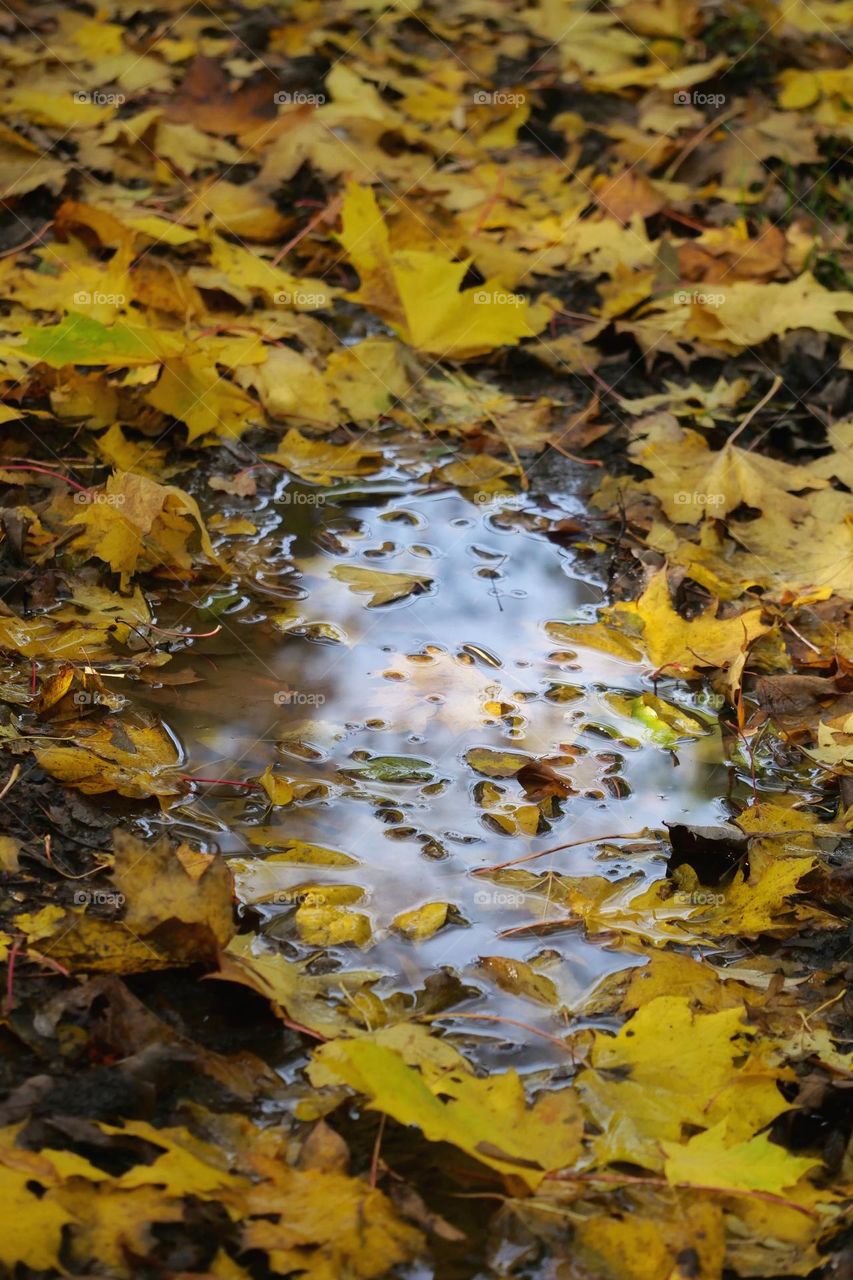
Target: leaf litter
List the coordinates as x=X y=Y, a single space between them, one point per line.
x=425 y=641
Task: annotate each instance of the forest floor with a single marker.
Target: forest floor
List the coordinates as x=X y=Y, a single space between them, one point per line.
x=426 y=660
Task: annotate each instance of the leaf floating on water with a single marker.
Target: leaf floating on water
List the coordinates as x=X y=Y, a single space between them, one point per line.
x=663 y=722
x=383 y=588
x=288 y=850
x=422 y=922
x=520 y=979
x=329 y=925
x=394 y=769
x=279 y=790
x=496 y=764
x=317 y=1002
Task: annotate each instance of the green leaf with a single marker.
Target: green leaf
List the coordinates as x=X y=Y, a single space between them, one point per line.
x=82 y=340
x=405 y=769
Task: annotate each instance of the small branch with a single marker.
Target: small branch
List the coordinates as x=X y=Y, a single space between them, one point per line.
x=777 y=382
x=557 y=848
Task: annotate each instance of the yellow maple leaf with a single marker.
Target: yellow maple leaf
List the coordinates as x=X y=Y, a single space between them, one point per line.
x=418 y=291
x=758 y=1164
x=489 y=1118
x=747 y=313
x=136 y=523
x=693 y=481
x=667 y=1067
x=688 y=647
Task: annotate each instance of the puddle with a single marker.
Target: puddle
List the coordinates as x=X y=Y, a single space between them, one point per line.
x=373 y=714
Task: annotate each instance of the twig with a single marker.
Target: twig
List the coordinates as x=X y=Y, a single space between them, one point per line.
x=19 y=248
x=374 y=1162
x=10 y=978
x=697 y=140
x=511 y=449
x=221 y=782
x=557 y=848
x=490 y=203
x=326 y=214
x=777 y=382
x=44 y=471
x=585 y=462
x=10 y=781
x=806 y=642
x=183 y=635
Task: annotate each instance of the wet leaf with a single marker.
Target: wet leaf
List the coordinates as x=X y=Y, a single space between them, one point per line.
x=687 y=647
x=319 y=462
x=422 y=922
x=394 y=769
x=278 y=789
x=142 y=524
x=81 y=340
x=632 y=1246
x=299 y=996
x=496 y=764
x=487 y=1118
x=669 y=1067
x=520 y=979
x=329 y=925
x=383 y=588
x=133 y=756
x=755 y=1165
x=34 y=1229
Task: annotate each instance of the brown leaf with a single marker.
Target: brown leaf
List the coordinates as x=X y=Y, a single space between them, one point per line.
x=205 y=99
